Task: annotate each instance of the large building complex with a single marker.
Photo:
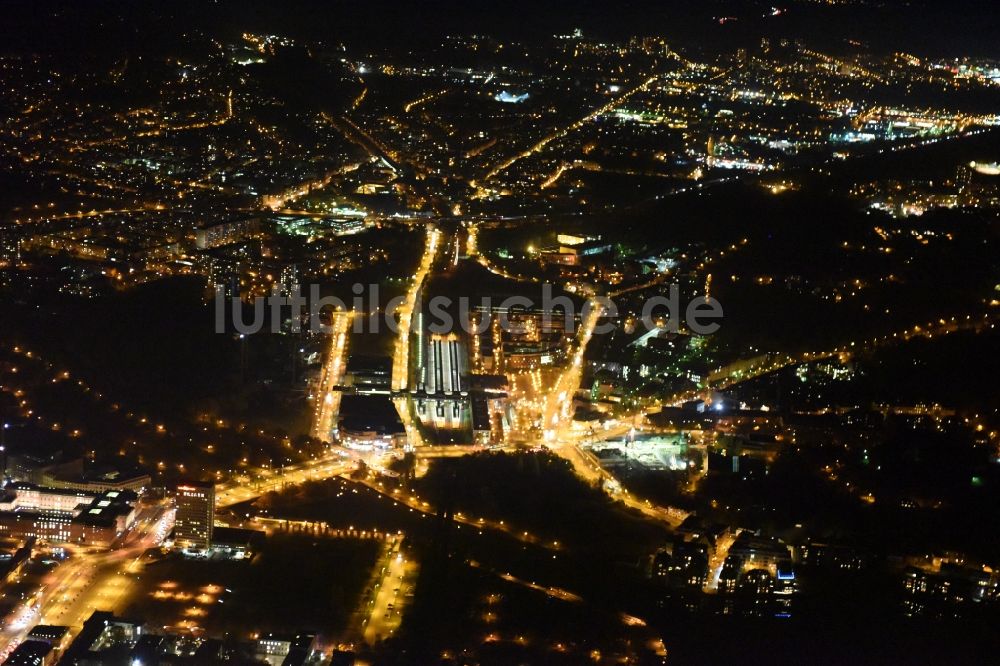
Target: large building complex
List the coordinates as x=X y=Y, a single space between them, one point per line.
x=70 y=516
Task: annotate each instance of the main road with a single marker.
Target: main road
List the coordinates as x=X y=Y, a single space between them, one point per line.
x=90 y=580
x=242 y=489
x=327 y=406
x=404 y=317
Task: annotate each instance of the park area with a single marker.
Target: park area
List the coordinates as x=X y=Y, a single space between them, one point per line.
x=295 y=583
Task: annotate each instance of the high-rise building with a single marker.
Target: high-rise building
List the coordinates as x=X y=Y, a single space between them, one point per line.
x=10 y=247
x=289 y=280
x=195 y=515
x=963 y=177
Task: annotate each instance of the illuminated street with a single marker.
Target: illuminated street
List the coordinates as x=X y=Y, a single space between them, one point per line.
x=327 y=397
x=91 y=579
x=238 y=491
x=393 y=586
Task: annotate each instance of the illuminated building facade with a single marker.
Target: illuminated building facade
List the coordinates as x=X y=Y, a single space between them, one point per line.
x=195 y=515
x=60 y=515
